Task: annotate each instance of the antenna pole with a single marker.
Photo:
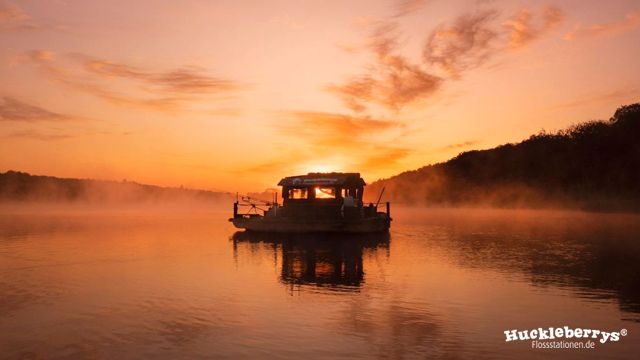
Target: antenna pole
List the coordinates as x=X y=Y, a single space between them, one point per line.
x=380 y=197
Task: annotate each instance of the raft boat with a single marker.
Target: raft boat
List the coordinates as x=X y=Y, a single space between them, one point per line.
x=316 y=202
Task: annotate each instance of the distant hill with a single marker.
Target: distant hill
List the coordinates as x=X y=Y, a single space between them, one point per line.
x=594 y=165
x=22 y=187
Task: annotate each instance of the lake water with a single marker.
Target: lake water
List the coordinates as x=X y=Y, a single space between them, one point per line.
x=443 y=284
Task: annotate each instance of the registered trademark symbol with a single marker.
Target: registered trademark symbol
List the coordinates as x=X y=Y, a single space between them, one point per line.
x=623 y=332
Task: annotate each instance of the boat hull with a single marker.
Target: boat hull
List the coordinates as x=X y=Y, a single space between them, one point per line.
x=291 y=225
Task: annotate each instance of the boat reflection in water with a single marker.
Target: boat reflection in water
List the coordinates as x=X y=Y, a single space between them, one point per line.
x=332 y=261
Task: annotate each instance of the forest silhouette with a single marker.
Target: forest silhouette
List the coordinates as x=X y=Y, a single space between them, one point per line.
x=593 y=165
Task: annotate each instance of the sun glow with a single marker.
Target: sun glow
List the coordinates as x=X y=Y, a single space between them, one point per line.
x=321 y=168
x=326 y=164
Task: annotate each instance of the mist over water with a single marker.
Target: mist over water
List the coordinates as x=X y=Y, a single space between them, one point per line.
x=185 y=284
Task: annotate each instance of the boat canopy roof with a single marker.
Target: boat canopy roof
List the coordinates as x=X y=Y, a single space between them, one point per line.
x=326 y=179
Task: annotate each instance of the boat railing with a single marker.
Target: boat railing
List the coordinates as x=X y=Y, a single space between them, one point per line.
x=252 y=205
x=376 y=207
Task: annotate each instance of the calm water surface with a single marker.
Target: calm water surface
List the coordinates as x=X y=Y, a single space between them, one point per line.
x=443 y=284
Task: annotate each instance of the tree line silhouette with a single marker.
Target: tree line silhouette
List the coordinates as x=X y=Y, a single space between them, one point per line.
x=24 y=187
x=593 y=165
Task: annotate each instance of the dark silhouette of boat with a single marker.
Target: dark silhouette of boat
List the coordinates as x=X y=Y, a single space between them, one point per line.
x=316 y=202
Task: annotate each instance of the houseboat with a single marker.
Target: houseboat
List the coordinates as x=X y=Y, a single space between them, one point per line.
x=316 y=202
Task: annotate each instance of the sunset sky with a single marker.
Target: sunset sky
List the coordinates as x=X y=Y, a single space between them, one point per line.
x=234 y=95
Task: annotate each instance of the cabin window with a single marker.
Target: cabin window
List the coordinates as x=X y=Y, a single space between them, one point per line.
x=298 y=193
x=325 y=192
x=349 y=192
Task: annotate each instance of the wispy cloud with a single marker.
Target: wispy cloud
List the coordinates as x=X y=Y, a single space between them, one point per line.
x=169 y=90
x=363 y=139
x=464 y=44
x=391 y=80
x=39 y=135
x=405 y=7
x=630 y=22
x=462 y=145
x=12 y=109
x=329 y=135
x=523 y=27
x=187 y=80
x=14 y=18
x=328 y=131
x=384 y=157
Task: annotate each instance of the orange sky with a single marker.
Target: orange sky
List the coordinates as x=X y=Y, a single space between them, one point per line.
x=233 y=95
